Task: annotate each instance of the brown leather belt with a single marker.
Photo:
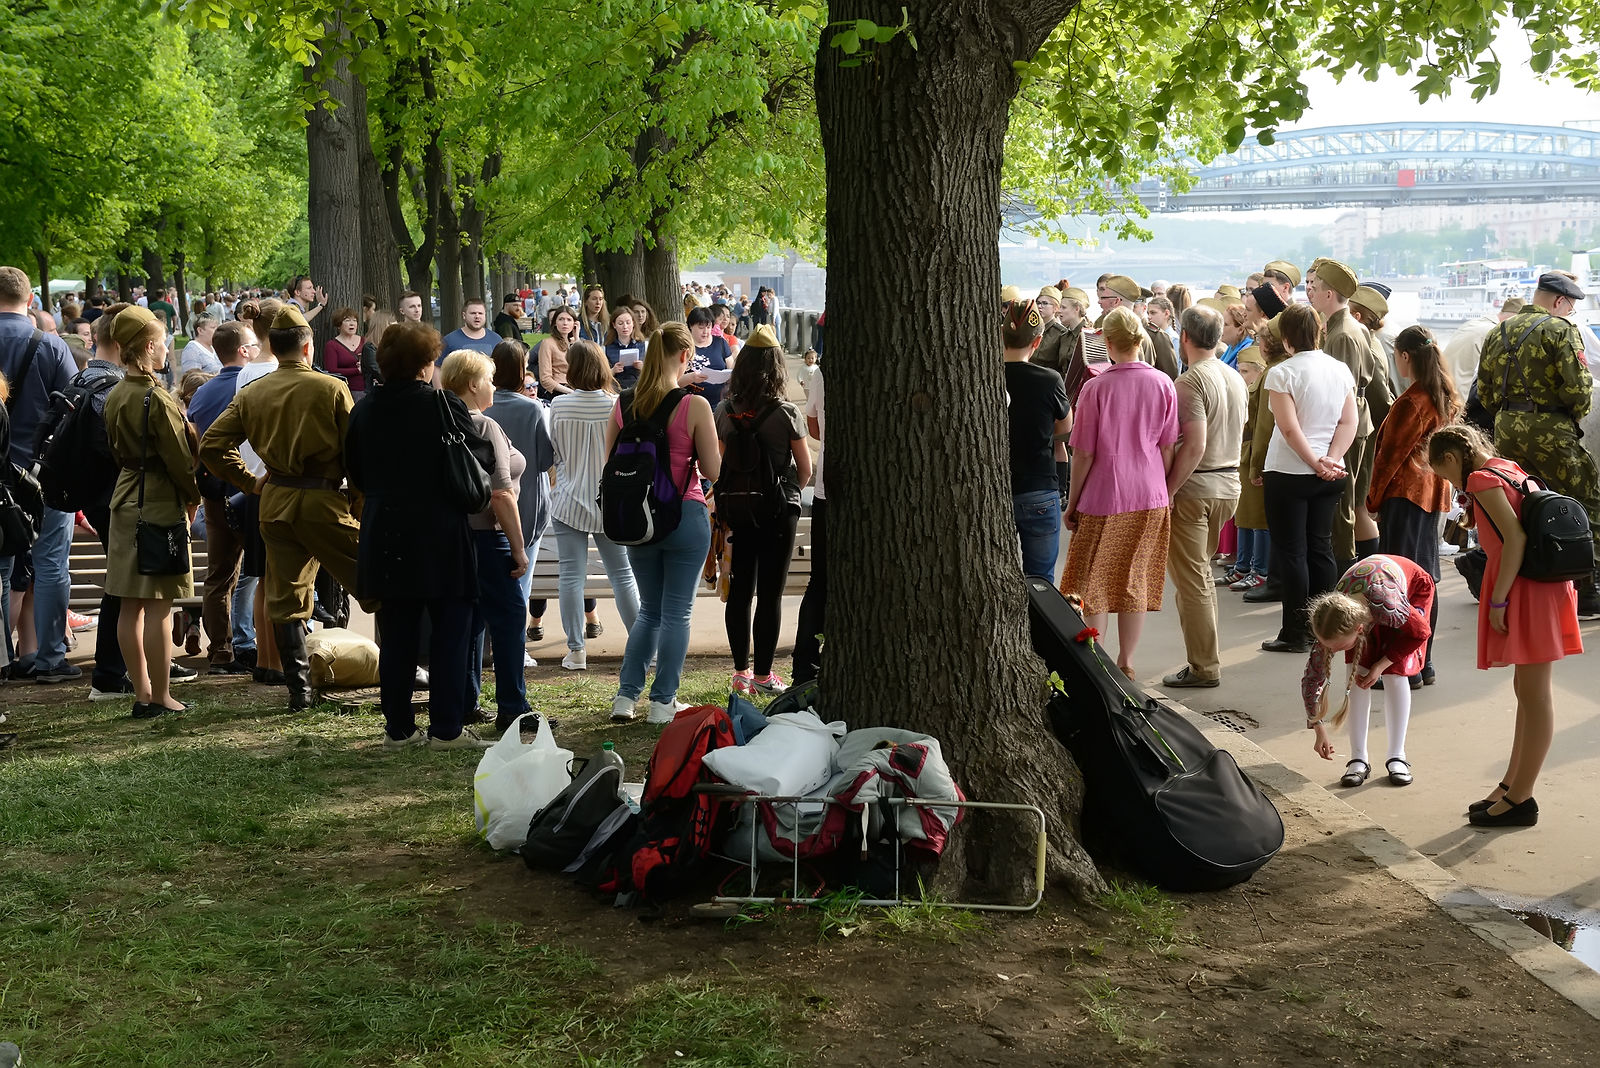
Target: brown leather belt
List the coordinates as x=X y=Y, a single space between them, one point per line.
x=301 y=483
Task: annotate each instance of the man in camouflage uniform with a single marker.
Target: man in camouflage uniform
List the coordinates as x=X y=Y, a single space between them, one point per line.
x=1533 y=379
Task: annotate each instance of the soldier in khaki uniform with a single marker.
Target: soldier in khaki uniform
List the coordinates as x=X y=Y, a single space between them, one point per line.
x=1329 y=286
x=1116 y=290
x=1533 y=379
x=295 y=418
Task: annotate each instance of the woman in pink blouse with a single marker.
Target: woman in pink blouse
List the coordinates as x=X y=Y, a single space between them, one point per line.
x=1126 y=425
x=342 y=354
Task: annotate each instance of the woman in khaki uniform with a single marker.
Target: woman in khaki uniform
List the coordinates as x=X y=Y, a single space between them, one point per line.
x=163 y=461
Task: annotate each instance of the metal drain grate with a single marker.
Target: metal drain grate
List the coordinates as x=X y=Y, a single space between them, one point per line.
x=1233 y=719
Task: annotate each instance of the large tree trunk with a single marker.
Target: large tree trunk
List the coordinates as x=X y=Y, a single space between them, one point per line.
x=180 y=282
x=155 y=274
x=125 y=277
x=620 y=272
x=937 y=640
x=334 y=206
x=41 y=257
x=380 y=256
x=449 y=256
x=663 y=287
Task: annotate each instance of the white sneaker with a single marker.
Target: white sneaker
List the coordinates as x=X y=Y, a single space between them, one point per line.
x=665 y=712
x=467 y=739
x=418 y=737
x=528 y=661
x=622 y=709
x=576 y=660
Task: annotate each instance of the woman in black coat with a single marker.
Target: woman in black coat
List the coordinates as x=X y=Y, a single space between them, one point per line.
x=416 y=553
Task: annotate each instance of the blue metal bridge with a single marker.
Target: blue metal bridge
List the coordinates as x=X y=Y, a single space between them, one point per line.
x=1383 y=165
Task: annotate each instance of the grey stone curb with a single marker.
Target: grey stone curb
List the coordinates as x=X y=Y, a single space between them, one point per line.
x=1537 y=955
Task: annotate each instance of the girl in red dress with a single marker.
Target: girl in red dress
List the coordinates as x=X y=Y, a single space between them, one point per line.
x=1523 y=623
x=1377 y=616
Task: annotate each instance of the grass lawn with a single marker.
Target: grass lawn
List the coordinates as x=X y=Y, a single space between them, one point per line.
x=234 y=886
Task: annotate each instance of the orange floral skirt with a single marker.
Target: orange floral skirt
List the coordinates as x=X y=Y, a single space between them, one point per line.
x=1118 y=563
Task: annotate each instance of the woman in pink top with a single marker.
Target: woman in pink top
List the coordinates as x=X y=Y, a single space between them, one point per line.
x=1126 y=425
x=667 y=571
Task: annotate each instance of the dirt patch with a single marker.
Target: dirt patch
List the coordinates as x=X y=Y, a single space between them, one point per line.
x=1322 y=958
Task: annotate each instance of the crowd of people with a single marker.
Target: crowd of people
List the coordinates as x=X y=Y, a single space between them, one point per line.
x=1324 y=454
x=314 y=480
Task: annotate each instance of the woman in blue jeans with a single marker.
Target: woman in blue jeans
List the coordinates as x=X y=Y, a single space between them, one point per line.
x=501 y=552
x=667 y=572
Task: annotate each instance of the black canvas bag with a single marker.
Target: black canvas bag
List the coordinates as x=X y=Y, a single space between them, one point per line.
x=560 y=830
x=1159 y=799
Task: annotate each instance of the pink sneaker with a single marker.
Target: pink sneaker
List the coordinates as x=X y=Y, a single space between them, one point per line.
x=743 y=682
x=771 y=684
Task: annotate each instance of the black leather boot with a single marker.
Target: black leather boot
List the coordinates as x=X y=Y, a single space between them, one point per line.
x=296 y=668
x=1365 y=549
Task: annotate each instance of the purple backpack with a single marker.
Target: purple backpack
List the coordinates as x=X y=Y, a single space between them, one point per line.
x=639 y=502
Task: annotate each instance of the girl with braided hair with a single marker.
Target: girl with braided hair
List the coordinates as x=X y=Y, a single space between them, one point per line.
x=1377 y=616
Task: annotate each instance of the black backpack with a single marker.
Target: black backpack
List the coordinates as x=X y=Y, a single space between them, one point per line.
x=1560 y=542
x=639 y=502
x=73 y=452
x=560 y=830
x=750 y=491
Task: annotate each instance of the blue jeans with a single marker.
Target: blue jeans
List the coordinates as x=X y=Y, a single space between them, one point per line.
x=573 y=546
x=668 y=573
x=1038 y=519
x=52 y=583
x=501 y=612
x=244 y=613
x=1254 y=547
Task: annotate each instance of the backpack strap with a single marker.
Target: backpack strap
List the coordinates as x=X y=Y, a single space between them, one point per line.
x=24 y=367
x=1508 y=480
x=1511 y=352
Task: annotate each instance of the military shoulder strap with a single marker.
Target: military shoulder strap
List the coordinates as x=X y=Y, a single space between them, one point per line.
x=1511 y=353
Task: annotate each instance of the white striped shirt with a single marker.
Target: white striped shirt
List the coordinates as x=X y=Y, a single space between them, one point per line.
x=578 y=430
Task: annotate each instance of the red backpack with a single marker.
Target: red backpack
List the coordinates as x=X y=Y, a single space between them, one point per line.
x=676 y=825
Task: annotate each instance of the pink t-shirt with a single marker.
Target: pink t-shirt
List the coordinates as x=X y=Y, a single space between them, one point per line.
x=680 y=450
x=1124 y=416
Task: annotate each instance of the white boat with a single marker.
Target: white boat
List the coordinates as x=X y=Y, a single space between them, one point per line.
x=1470 y=288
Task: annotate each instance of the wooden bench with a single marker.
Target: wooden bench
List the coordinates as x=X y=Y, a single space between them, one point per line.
x=547 y=569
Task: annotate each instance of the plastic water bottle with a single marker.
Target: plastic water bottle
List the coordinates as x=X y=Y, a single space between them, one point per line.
x=610 y=756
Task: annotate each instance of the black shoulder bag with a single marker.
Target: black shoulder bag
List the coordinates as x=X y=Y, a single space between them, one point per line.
x=466 y=482
x=162 y=550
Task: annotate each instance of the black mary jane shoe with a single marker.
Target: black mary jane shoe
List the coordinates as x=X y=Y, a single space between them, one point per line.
x=143 y=710
x=1355 y=773
x=1398 y=775
x=1520 y=814
x=1488 y=802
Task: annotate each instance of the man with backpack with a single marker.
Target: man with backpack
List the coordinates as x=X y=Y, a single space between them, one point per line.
x=1535 y=383
x=36 y=365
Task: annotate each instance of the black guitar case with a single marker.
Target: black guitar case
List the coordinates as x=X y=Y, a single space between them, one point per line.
x=1159 y=800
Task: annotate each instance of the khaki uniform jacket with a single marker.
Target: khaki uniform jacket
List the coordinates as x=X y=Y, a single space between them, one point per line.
x=169 y=483
x=295 y=419
x=1351 y=344
x=1057 y=347
x=1159 y=345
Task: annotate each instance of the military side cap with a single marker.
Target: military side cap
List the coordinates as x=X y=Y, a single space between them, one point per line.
x=1216 y=304
x=129 y=322
x=1074 y=293
x=1553 y=281
x=762 y=337
x=1370 y=299
x=1144 y=293
x=1251 y=354
x=1337 y=277
x=1023 y=318
x=1285 y=268
x=1273 y=329
x=1123 y=286
x=288 y=317
x=1229 y=291
x=1052 y=292
x=1268 y=301
x=1010 y=294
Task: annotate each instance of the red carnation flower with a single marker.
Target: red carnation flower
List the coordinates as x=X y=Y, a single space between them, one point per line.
x=1087 y=634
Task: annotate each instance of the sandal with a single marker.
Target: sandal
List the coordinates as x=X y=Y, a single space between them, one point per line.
x=1400 y=776
x=1355 y=773
x=1488 y=802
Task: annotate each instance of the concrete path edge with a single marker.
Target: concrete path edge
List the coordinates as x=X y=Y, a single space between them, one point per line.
x=1535 y=954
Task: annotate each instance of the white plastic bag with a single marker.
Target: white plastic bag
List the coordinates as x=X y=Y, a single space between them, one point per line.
x=793 y=755
x=515 y=780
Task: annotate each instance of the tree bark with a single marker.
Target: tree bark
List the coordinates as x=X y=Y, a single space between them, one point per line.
x=180 y=263
x=918 y=430
x=41 y=257
x=619 y=272
x=663 y=286
x=449 y=256
x=334 y=206
x=155 y=274
x=380 y=255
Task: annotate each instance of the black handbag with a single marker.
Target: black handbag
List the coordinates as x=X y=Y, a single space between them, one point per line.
x=466 y=482
x=163 y=549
